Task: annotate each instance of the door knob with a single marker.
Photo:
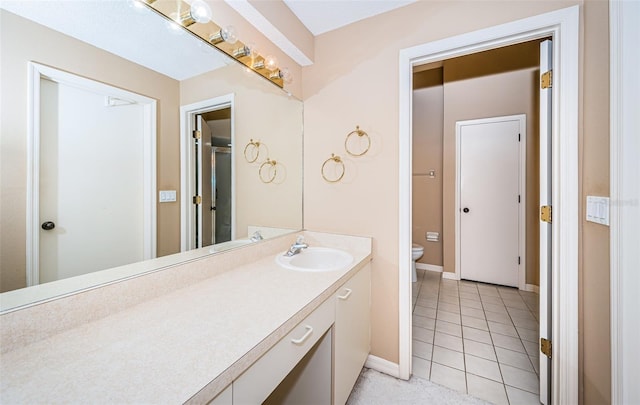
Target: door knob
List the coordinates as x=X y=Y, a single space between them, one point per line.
x=47 y=226
x=465 y=210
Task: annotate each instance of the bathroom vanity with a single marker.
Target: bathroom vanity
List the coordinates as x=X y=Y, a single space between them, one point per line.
x=244 y=331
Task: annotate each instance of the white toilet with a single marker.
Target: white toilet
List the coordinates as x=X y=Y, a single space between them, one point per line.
x=416 y=252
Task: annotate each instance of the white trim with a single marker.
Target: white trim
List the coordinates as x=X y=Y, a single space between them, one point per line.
x=37 y=71
x=382 y=365
x=522 y=189
x=532 y=288
x=563 y=25
x=447 y=275
x=429 y=267
x=624 y=26
x=187 y=211
x=270 y=31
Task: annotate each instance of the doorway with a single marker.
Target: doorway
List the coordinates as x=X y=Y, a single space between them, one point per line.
x=208 y=179
x=91 y=178
x=564 y=163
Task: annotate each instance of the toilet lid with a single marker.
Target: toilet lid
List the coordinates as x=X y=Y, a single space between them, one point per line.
x=415 y=246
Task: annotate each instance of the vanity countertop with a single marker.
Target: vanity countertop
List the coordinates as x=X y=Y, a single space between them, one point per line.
x=184 y=346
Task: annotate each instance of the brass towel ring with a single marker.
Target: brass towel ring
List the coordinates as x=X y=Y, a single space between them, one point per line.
x=270 y=171
x=338 y=163
x=252 y=151
x=360 y=134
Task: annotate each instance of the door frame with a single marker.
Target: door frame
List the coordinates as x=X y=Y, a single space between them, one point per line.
x=187 y=172
x=522 y=189
x=36 y=72
x=563 y=26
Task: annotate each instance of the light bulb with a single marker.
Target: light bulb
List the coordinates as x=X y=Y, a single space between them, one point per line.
x=229 y=34
x=200 y=11
x=286 y=76
x=271 y=62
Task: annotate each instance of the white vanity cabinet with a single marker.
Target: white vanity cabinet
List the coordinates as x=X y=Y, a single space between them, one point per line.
x=313 y=364
x=351 y=332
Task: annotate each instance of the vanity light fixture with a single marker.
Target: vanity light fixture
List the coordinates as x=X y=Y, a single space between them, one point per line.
x=227 y=34
x=224 y=39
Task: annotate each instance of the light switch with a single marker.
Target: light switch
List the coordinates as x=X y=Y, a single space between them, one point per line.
x=598 y=209
x=167 y=196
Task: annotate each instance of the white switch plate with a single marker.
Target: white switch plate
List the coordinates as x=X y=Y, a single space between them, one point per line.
x=167 y=196
x=598 y=210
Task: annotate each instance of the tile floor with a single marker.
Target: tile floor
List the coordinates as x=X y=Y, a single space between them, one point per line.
x=476 y=338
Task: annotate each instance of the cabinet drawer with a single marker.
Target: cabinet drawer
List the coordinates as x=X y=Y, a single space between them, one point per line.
x=255 y=384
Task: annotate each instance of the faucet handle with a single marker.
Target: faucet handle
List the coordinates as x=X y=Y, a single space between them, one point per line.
x=299 y=239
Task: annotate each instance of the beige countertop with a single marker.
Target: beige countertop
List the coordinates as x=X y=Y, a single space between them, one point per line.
x=183 y=346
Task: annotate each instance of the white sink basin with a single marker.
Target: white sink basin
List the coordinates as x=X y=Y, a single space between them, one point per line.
x=316 y=259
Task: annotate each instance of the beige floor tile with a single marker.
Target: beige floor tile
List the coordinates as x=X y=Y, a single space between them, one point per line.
x=524 y=380
x=526 y=323
x=447 y=357
x=507 y=342
x=484 y=350
x=528 y=334
x=523 y=314
x=501 y=309
x=428 y=303
x=448 y=341
x=421 y=368
x=474 y=322
x=535 y=361
x=448 y=316
x=519 y=397
x=427 y=312
x=488 y=390
x=482 y=367
x=449 y=299
x=490 y=299
x=449 y=377
x=514 y=359
x=487 y=291
x=476 y=313
x=532 y=348
x=453 y=308
x=476 y=335
x=473 y=296
x=498 y=317
x=502 y=329
x=465 y=302
x=516 y=304
x=425 y=335
x=448 y=328
x=423 y=322
x=422 y=349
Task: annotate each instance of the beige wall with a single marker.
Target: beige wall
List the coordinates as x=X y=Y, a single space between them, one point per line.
x=22 y=41
x=264 y=113
x=358 y=85
x=490 y=84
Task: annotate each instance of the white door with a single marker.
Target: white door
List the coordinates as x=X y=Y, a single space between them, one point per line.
x=489 y=199
x=546 y=52
x=206 y=209
x=91 y=182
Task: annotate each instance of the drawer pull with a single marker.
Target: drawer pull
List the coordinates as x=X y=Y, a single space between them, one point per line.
x=304 y=337
x=344 y=297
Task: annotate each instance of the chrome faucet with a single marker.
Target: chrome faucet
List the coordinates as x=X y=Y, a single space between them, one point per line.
x=256 y=236
x=297 y=246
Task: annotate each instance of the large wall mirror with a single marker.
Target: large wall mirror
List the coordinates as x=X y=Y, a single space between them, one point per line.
x=122 y=161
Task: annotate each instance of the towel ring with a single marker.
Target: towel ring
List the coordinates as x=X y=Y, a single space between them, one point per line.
x=360 y=134
x=252 y=151
x=338 y=163
x=270 y=173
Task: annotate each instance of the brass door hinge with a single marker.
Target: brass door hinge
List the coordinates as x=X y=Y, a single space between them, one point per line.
x=197 y=199
x=545 y=347
x=545 y=213
x=546 y=80
x=197 y=134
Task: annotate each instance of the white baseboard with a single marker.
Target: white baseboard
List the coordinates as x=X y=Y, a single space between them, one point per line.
x=383 y=366
x=532 y=288
x=449 y=276
x=430 y=267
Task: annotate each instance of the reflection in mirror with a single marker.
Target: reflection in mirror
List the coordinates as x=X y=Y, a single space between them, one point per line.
x=176 y=83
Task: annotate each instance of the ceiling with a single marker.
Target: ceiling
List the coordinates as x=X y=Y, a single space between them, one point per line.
x=320 y=16
x=111 y=25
